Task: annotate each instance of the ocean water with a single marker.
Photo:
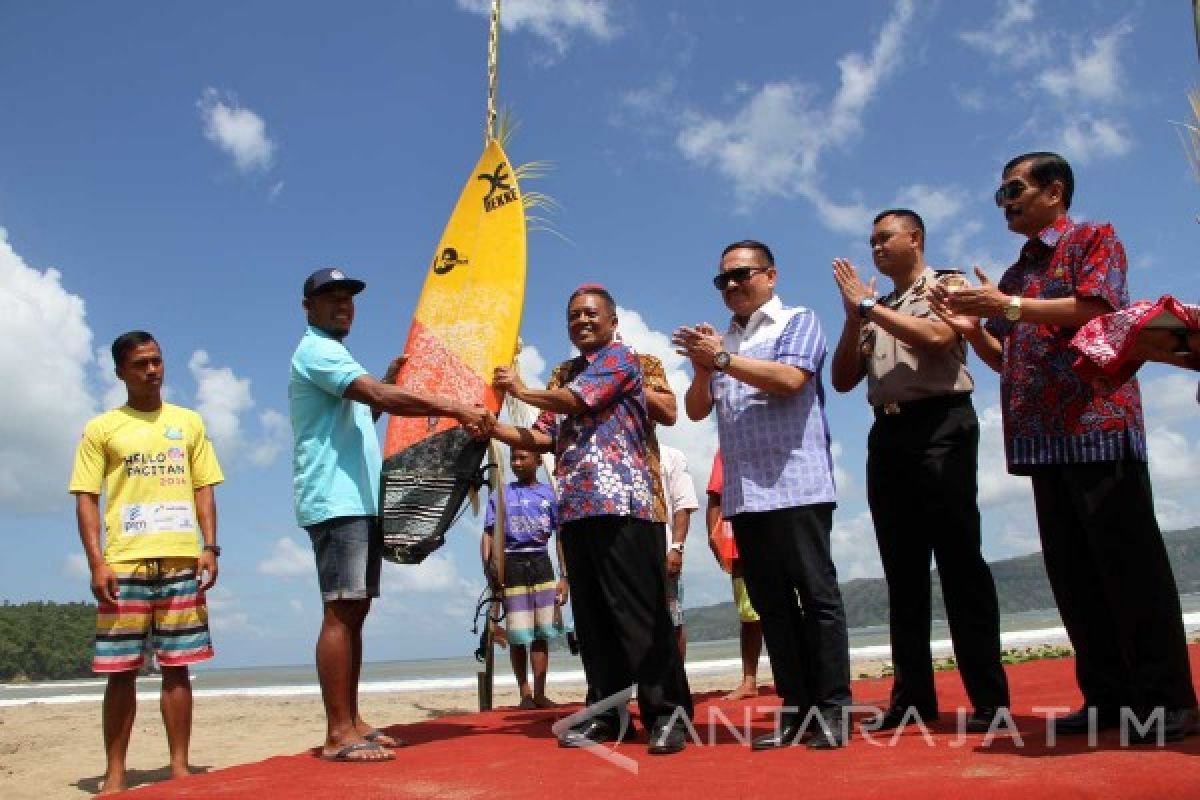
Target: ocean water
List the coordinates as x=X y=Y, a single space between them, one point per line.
x=1018 y=630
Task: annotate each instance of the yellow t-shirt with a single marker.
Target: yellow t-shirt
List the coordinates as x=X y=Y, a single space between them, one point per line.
x=149 y=465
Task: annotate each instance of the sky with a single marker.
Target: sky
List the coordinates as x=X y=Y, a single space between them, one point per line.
x=181 y=170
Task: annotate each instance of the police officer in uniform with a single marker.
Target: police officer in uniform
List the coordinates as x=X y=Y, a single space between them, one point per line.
x=922 y=456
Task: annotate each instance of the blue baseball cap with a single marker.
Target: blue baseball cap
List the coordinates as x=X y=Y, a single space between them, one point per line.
x=331 y=278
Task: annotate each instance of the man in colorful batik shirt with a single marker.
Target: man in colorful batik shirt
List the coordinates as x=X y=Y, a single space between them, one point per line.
x=532 y=597
x=155 y=467
x=1085 y=450
x=597 y=426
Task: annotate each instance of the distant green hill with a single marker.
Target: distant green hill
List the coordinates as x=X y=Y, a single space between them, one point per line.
x=1020 y=583
x=46 y=641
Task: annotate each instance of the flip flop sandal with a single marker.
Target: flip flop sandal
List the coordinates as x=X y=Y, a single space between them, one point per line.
x=344 y=755
x=376 y=736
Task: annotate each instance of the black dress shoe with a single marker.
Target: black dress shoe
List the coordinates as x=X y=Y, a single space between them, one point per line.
x=791 y=728
x=832 y=735
x=666 y=739
x=981 y=719
x=1079 y=722
x=897 y=716
x=587 y=733
x=1175 y=726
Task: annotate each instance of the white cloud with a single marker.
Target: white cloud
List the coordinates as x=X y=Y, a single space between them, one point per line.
x=1173 y=459
x=556 y=22
x=1087 y=138
x=843 y=480
x=650 y=99
x=113 y=392
x=288 y=559
x=238 y=131
x=971 y=99
x=226 y=616
x=1012 y=36
x=221 y=399
x=75 y=565
x=45 y=353
x=957 y=249
x=773 y=144
x=1094 y=72
x=697 y=440
x=1016 y=540
x=437 y=573
x=996 y=486
x=276 y=438
x=1169 y=398
x=935 y=204
x=1175 y=516
x=855 y=551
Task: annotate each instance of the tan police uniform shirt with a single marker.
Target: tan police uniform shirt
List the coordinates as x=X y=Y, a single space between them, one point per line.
x=898 y=372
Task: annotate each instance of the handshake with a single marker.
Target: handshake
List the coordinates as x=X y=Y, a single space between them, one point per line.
x=476 y=421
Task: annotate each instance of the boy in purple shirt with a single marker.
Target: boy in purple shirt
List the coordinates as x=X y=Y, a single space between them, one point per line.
x=532 y=597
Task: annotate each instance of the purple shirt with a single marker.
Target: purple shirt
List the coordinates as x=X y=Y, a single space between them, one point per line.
x=530 y=517
x=600 y=455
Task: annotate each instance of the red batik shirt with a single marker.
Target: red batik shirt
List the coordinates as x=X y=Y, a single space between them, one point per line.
x=1051 y=414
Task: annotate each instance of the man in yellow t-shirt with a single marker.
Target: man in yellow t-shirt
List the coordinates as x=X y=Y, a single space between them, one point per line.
x=156 y=468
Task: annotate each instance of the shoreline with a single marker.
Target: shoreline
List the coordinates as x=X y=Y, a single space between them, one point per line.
x=504 y=680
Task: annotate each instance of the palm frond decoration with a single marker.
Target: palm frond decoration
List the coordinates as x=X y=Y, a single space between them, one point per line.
x=1189 y=133
x=507 y=126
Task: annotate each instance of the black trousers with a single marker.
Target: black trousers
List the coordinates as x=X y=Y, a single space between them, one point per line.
x=1113 y=584
x=921 y=486
x=792 y=583
x=617 y=572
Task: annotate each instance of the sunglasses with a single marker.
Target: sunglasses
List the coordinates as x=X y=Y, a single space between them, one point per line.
x=1010 y=191
x=739 y=274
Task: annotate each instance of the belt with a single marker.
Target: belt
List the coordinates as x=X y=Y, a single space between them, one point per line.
x=924 y=405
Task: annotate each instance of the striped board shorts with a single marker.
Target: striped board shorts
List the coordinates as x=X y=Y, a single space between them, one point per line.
x=158 y=599
x=529 y=590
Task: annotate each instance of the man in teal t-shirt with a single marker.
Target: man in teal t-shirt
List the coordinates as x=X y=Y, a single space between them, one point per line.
x=336 y=464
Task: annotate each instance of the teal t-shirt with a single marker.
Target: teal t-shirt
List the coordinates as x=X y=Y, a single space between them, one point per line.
x=335 y=458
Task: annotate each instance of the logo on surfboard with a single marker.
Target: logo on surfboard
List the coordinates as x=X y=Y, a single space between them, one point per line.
x=447 y=260
x=500 y=193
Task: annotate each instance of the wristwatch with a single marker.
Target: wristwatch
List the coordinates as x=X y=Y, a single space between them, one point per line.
x=865 y=305
x=215 y=549
x=721 y=361
x=1012 y=312
x=677 y=547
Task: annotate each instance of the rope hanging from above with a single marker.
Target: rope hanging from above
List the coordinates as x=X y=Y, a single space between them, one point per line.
x=493 y=67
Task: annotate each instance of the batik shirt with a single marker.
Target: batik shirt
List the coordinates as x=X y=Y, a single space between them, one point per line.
x=1051 y=414
x=600 y=455
x=654 y=379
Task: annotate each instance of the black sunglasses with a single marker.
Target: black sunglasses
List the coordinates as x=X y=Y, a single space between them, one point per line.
x=1010 y=191
x=739 y=274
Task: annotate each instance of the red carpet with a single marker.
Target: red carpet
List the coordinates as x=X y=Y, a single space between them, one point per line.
x=512 y=754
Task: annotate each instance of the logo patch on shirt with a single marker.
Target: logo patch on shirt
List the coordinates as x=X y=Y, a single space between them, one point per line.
x=172 y=433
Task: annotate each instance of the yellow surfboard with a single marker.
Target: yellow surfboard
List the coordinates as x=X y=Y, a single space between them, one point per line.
x=466 y=324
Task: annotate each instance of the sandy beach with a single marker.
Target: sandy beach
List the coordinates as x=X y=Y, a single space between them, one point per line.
x=55 y=751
